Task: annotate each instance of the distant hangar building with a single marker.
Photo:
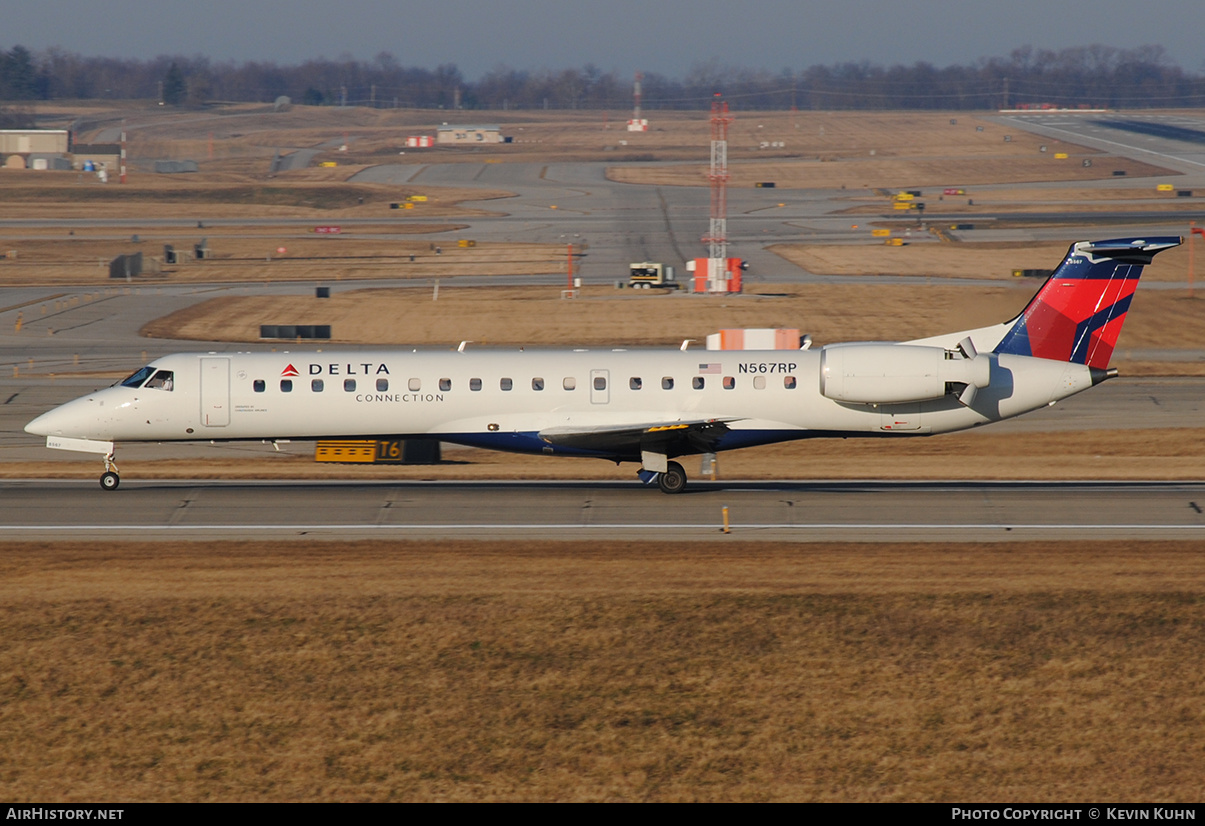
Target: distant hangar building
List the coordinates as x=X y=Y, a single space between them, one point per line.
x=54 y=149
x=34 y=141
x=469 y=134
x=20 y=147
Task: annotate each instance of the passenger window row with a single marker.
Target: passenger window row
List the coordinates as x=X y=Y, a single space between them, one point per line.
x=537 y=384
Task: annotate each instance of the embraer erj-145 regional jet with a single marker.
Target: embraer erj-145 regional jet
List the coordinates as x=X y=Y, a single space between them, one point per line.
x=646 y=406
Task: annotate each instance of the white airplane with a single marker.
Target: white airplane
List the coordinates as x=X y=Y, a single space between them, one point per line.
x=646 y=406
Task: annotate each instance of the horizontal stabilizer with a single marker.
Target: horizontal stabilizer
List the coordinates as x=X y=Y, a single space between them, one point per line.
x=1139 y=251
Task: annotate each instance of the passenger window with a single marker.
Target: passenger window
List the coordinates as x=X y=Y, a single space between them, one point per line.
x=445 y=384
x=788 y=382
x=667 y=383
x=349 y=385
x=382 y=385
x=259 y=385
x=316 y=385
x=729 y=383
x=600 y=382
x=474 y=384
x=570 y=383
x=415 y=385
x=634 y=383
x=759 y=382
x=506 y=384
x=162 y=381
x=537 y=384
x=698 y=382
x=286 y=385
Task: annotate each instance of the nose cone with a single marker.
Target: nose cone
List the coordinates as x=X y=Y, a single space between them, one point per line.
x=48 y=424
x=70 y=419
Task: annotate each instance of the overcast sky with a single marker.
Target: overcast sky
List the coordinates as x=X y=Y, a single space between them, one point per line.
x=665 y=36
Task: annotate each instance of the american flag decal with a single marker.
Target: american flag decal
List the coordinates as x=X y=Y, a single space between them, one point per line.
x=712 y=369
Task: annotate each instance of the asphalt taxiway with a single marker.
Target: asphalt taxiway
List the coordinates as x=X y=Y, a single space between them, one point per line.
x=806 y=511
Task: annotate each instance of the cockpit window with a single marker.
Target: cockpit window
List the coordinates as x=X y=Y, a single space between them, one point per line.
x=138 y=378
x=162 y=380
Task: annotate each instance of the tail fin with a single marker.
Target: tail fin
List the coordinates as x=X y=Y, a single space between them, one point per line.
x=1077 y=314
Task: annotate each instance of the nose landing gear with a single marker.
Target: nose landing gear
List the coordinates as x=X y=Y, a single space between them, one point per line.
x=109 y=480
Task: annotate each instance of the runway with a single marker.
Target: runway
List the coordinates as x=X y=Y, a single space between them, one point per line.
x=803 y=511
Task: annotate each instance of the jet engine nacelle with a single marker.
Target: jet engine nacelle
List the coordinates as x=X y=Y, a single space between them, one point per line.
x=895 y=373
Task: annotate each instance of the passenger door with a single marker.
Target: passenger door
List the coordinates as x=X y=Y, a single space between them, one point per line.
x=215 y=392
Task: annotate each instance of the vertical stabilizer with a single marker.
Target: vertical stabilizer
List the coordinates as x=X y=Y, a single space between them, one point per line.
x=1077 y=314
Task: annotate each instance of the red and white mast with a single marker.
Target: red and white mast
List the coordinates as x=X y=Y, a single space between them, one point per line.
x=717 y=237
x=637 y=123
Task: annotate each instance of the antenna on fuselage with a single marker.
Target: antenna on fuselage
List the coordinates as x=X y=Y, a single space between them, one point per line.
x=460 y=349
x=685 y=343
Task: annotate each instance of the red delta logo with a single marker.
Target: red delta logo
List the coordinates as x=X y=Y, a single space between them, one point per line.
x=290 y=371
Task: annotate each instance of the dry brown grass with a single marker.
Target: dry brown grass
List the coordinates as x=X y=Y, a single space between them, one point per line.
x=602 y=316
x=1078 y=196
x=1162 y=211
x=989 y=261
x=323 y=195
x=886 y=173
x=994 y=261
x=255 y=257
x=864 y=150
x=463 y=671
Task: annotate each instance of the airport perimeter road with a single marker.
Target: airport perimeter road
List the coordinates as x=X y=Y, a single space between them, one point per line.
x=792 y=511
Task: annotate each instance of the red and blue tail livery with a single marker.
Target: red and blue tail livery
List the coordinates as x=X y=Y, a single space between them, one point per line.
x=1078 y=313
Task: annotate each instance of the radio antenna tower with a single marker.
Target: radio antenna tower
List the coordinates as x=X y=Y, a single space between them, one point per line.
x=717 y=237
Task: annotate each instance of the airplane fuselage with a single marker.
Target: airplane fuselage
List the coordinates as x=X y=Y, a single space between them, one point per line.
x=505 y=400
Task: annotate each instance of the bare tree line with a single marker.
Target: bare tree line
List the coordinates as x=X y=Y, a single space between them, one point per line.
x=1088 y=76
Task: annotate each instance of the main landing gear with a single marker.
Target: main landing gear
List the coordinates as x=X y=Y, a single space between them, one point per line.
x=673 y=479
x=670 y=476
x=109 y=480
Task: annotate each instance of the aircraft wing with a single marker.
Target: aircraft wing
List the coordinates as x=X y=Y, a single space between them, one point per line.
x=669 y=438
